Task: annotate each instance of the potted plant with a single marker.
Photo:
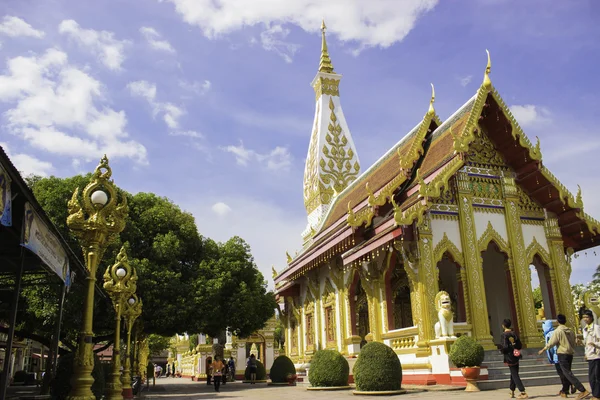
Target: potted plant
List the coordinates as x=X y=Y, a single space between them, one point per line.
x=283 y=371
x=467 y=355
x=291 y=379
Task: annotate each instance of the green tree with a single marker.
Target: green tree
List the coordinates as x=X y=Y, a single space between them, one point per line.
x=187 y=283
x=231 y=291
x=157 y=344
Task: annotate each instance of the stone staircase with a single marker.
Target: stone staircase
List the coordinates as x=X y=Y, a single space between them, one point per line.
x=534 y=370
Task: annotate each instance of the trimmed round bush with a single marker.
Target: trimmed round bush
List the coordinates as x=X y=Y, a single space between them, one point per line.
x=61 y=385
x=328 y=368
x=377 y=369
x=261 y=372
x=466 y=352
x=281 y=368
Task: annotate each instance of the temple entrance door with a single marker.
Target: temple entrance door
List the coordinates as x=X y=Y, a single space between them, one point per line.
x=544 y=285
x=362 y=313
x=255 y=344
x=399 y=305
x=450 y=281
x=498 y=290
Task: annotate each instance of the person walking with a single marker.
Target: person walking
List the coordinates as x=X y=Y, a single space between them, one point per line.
x=564 y=337
x=511 y=348
x=548 y=329
x=252 y=368
x=231 y=365
x=591 y=341
x=217 y=372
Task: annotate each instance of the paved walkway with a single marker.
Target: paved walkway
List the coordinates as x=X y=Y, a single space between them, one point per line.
x=180 y=389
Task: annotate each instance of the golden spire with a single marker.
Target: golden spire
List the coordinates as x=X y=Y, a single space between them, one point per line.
x=325 y=63
x=487 y=83
x=431 y=109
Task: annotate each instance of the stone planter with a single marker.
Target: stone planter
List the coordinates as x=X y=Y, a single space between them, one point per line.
x=471 y=374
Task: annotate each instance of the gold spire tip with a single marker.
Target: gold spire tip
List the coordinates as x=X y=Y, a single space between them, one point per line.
x=431 y=109
x=487 y=83
x=325 y=64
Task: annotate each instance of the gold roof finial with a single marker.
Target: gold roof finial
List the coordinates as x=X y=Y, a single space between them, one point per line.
x=325 y=63
x=487 y=83
x=431 y=109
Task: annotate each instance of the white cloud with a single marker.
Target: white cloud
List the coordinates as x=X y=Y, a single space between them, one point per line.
x=199 y=88
x=60 y=109
x=272 y=40
x=192 y=134
x=108 y=50
x=528 y=115
x=246 y=215
x=382 y=23
x=466 y=80
x=277 y=159
x=15 y=27
x=155 y=40
x=26 y=164
x=170 y=112
x=221 y=209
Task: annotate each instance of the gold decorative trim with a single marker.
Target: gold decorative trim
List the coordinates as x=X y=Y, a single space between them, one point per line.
x=490 y=210
x=535 y=248
x=328 y=86
x=406 y=164
x=489 y=235
x=453 y=208
x=446 y=245
x=444 y=217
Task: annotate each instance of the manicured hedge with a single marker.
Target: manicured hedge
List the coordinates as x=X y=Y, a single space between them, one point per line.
x=377 y=369
x=261 y=372
x=466 y=352
x=328 y=368
x=281 y=368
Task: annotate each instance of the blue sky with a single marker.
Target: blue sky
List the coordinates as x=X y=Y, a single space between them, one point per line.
x=208 y=102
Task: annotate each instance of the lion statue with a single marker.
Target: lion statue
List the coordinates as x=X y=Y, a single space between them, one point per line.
x=445 y=325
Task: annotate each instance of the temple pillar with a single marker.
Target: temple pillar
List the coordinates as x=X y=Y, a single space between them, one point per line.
x=562 y=271
x=522 y=277
x=477 y=306
x=427 y=287
x=240 y=362
x=374 y=302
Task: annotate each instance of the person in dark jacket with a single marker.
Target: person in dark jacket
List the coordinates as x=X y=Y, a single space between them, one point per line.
x=511 y=346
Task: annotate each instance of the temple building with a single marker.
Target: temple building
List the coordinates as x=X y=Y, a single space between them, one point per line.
x=463 y=205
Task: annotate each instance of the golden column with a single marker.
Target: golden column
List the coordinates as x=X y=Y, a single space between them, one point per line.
x=132 y=310
x=561 y=259
x=427 y=285
x=95 y=219
x=522 y=283
x=120 y=283
x=475 y=288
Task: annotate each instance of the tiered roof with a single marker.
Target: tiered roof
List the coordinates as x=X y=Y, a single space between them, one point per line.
x=417 y=169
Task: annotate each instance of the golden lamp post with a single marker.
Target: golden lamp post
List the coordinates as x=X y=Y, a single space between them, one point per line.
x=94 y=217
x=120 y=283
x=132 y=310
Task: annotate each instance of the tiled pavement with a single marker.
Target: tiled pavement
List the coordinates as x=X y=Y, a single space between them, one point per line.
x=180 y=389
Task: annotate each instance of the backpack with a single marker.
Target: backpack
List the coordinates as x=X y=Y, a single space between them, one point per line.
x=517 y=346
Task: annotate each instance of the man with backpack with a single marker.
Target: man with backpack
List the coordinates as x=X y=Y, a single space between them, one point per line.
x=564 y=337
x=511 y=348
x=548 y=330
